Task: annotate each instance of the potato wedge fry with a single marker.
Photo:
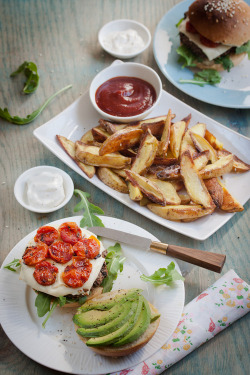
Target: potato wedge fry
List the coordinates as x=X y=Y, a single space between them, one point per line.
x=229 y=204
x=215 y=190
x=202 y=145
x=165 y=161
x=69 y=147
x=180 y=212
x=155 y=125
x=214 y=142
x=144 y=201
x=220 y=167
x=193 y=182
x=170 y=173
x=239 y=166
x=146 y=153
x=121 y=140
x=167 y=190
x=201 y=159
x=111 y=127
x=185 y=198
x=135 y=193
x=99 y=134
x=121 y=172
x=87 y=137
x=147 y=187
x=163 y=144
x=199 y=129
x=178 y=185
x=177 y=131
x=111 y=179
x=90 y=155
x=187 y=119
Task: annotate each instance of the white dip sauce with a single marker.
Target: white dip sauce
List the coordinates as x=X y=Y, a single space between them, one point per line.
x=45 y=190
x=128 y=41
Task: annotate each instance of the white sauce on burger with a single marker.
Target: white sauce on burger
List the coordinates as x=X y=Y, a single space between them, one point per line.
x=59 y=289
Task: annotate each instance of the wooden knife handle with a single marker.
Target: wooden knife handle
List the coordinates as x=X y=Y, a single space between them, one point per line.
x=211 y=261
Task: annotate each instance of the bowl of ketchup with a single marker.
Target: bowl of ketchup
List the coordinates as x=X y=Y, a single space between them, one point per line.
x=125 y=92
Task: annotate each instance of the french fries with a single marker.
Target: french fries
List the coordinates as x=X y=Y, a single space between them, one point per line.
x=172 y=169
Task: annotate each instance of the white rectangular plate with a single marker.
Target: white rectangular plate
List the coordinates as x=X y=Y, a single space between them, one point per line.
x=80 y=116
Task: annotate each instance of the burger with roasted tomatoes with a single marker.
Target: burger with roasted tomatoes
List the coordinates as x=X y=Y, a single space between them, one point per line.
x=65 y=265
x=215 y=34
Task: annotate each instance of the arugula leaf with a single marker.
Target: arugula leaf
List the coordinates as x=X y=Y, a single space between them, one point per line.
x=12 y=266
x=4 y=113
x=30 y=71
x=244 y=48
x=204 y=77
x=164 y=275
x=53 y=306
x=42 y=303
x=186 y=58
x=89 y=219
x=178 y=23
x=225 y=61
x=114 y=261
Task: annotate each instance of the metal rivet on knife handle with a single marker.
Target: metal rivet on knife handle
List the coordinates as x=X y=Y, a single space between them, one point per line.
x=205 y=259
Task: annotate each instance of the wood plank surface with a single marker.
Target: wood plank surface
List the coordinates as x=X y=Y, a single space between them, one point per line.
x=60 y=36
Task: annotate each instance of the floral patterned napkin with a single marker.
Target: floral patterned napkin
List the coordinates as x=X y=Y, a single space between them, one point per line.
x=227 y=300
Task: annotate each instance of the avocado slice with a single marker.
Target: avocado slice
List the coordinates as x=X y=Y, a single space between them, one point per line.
x=139 y=328
x=96 y=318
x=120 y=332
x=154 y=316
x=128 y=309
x=122 y=297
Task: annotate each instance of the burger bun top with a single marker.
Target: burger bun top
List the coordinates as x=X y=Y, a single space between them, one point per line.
x=224 y=21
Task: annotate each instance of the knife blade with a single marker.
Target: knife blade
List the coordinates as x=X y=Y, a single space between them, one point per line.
x=211 y=261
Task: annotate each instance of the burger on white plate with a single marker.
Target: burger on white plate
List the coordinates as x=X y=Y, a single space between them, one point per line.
x=215 y=34
x=65 y=265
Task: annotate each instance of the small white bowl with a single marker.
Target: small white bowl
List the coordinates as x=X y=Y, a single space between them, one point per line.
x=123 y=25
x=128 y=69
x=20 y=188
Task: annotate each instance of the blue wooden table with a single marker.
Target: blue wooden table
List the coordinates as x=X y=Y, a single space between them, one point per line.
x=61 y=37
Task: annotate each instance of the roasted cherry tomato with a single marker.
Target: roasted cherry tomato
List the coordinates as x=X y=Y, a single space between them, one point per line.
x=77 y=273
x=45 y=273
x=35 y=254
x=208 y=43
x=61 y=252
x=87 y=247
x=47 y=235
x=70 y=232
x=190 y=28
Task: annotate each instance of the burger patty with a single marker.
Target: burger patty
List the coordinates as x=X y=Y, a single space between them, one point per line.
x=197 y=51
x=103 y=273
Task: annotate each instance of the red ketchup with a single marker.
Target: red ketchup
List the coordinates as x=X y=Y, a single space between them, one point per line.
x=125 y=96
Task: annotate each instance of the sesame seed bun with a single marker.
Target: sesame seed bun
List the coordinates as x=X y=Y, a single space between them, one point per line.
x=224 y=21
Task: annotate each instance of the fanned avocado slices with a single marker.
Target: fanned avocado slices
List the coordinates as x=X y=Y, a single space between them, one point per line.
x=127 y=310
x=122 y=331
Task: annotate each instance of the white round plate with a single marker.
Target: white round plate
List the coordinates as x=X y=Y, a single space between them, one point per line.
x=234 y=89
x=58 y=346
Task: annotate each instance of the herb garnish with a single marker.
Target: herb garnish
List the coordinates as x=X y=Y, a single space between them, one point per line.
x=30 y=71
x=4 y=113
x=225 y=61
x=187 y=58
x=204 y=77
x=114 y=261
x=89 y=218
x=178 y=23
x=164 y=275
x=12 y=266
x=244 y=48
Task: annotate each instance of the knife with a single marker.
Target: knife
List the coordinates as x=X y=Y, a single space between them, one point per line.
x=211 y=261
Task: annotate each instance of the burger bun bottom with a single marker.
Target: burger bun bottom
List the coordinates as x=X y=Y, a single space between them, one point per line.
x=110 y=351
x=206 y=64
